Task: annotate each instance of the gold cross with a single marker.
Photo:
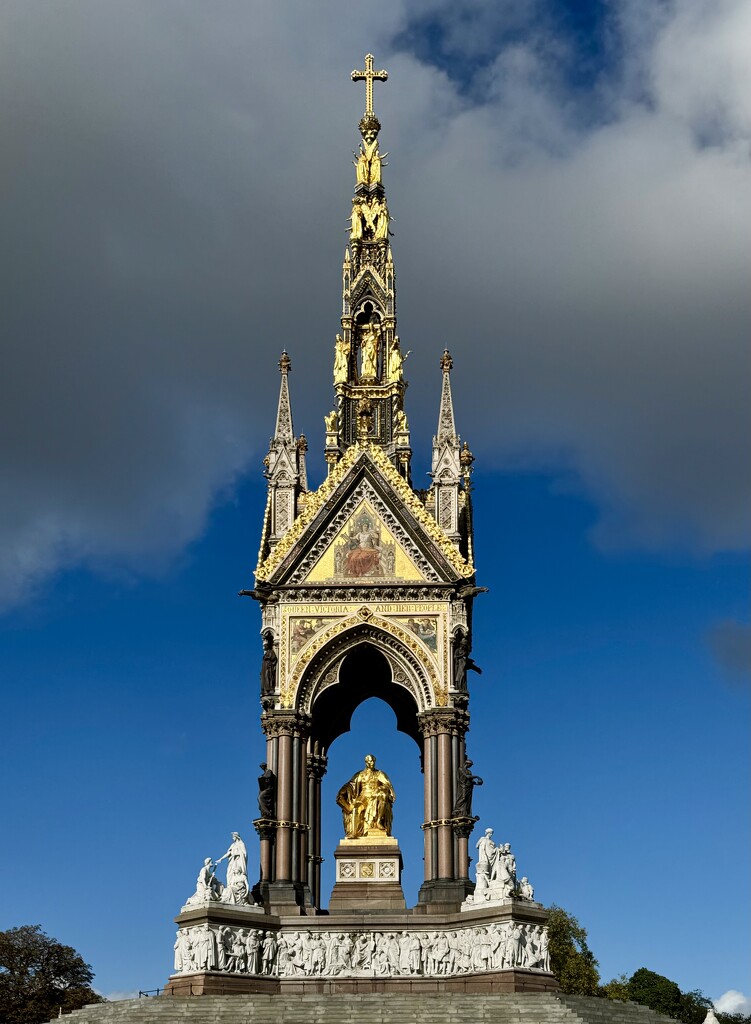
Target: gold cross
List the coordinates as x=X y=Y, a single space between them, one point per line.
x=370 y=76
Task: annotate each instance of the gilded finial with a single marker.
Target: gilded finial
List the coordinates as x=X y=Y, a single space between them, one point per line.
x=447 y=362
x=466 y=458
x=369 y=76
x=285 y=363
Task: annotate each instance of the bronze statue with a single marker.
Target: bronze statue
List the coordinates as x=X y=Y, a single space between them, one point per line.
x=367 y=802
x=267 y=792
x=268 y=666
x=462 y=662
x=465 y=783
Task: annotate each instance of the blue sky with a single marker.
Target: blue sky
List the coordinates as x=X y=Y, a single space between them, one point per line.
x=569 y=185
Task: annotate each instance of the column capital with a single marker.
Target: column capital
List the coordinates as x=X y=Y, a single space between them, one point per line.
x=438 y=721
x=463 y=826
x=316 y=767
x=285 y=723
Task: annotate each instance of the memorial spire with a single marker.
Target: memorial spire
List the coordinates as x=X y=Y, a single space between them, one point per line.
x=368 y=358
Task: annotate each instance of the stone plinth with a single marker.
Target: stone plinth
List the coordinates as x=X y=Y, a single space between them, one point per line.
x=368 y=876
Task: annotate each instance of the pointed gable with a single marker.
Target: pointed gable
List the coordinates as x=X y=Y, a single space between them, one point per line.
x=364 y=505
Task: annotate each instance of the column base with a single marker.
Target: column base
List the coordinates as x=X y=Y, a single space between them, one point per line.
x=286 y=899
x=443 y=895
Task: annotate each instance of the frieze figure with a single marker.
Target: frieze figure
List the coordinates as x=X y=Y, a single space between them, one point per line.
x=438 y=953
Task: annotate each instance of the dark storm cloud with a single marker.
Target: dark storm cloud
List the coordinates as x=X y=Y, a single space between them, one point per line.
x=176 y=184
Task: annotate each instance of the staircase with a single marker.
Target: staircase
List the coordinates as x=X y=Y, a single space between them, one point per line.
x=446 y=1008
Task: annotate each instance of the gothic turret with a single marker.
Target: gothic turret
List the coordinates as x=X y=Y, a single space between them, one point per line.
x=446 y=463
x=285 y=465
x=368 y=359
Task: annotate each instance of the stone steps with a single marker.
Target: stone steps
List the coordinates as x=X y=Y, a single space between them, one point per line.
x=448 y=1008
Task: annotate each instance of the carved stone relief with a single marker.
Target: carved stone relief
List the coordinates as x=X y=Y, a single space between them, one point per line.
x=345 y=954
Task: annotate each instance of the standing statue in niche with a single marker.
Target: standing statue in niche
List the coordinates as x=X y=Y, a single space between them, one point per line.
x=267 y=792
x=465 y=783
x=236 y=889
x=268 y=666
x=367 y=802
x=341 y=360
x=462 y=661
x=396 y=361
x=369 y=341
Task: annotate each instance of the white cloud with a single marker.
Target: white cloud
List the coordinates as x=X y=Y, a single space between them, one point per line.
x=733 y=1001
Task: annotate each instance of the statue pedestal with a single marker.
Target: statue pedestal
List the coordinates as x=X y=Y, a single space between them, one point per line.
x=368 y=876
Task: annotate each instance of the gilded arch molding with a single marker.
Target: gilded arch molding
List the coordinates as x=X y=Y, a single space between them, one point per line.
x=319 y=666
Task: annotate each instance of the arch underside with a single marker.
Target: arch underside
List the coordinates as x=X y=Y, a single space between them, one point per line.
x=358 y=664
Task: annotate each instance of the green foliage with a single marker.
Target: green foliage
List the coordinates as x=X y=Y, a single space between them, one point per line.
x=571 y=960
x=617 y=988
x=656 y=991
x=733 y=1018
x=694 y=1006
x=663 y=995
x=38 y=975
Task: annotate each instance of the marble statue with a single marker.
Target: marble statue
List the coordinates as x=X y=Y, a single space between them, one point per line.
x=465 y=783
x=367 y=802
x=504 y=870
x=268 y=666
x=495 y=874
x=462 y=661
x=208 y=887
x=486 y=854
x=267 y=792
x=526 y=890
x=236 y=890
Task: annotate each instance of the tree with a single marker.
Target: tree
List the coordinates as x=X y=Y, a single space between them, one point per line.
x=571 y=960
x=655 y=991
x=660 y=994
x=38 y=975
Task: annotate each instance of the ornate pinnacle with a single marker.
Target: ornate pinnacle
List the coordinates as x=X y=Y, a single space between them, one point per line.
x=285 y=363
x=447 y=362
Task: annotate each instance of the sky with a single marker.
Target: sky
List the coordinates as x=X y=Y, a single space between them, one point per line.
x=569 y=188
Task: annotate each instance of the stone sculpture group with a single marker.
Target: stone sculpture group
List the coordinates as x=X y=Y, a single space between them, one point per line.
x=495 y=875
x=236 y=890
x=496 y=947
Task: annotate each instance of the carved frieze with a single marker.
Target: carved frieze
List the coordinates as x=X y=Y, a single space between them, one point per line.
x=501 y=946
